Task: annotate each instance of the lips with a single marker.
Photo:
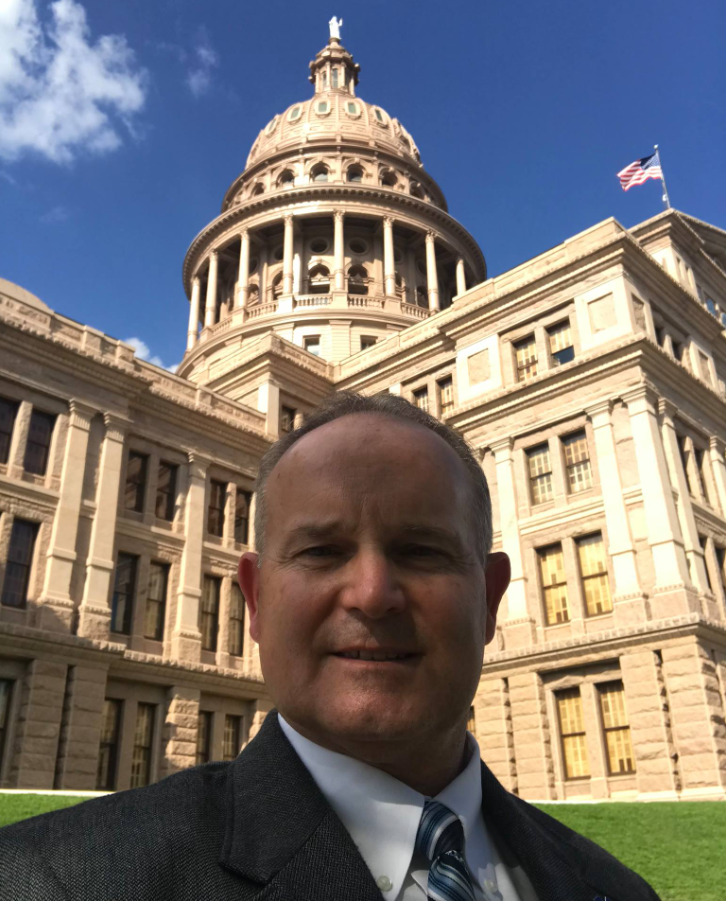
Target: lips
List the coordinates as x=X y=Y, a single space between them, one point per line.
x=378 y=655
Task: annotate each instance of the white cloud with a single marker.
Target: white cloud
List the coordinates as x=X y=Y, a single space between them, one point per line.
x=60 y=92
x=143 y=353
x=199 y=79
x=54 y=215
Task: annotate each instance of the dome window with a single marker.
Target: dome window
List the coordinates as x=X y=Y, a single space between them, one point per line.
x=352 y=108
x=355 y=174
x=323 y=107
x=357 y=280
x=295 y=113
x=277 y=286
x=334 y=78
x=253 y=296
x=286 y=179
x=422 y=298
x=379 y=116
x=258 y=189
x=324 y=80
x=319 y=173
x=270 y=127
x=417 y=190
x=357 y=246
x=388 y=179
x=278 y=253
x=319 y=279
x=318 y=245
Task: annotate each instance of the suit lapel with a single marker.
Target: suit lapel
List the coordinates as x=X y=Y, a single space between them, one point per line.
x=281 y=832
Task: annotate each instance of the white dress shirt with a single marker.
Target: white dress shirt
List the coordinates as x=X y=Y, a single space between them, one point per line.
x=382 y=816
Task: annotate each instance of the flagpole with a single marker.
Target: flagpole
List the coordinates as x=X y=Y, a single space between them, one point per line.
x=666 y=198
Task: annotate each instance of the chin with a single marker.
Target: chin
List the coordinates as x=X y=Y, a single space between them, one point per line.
x=372 y=721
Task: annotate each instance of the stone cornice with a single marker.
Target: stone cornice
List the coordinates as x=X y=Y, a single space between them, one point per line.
x=284 y=203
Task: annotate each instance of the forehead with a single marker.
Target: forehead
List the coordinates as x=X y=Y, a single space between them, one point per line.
x=369 y=457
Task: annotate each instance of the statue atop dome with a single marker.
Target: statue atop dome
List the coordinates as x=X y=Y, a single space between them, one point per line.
x=335 y=26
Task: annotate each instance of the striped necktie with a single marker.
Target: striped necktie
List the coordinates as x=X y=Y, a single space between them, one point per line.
x=441 y=839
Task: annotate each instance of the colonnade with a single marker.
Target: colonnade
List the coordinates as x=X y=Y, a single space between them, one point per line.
x=291 y=279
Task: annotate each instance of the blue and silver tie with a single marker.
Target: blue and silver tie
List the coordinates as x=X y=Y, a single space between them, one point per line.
x=441 y=839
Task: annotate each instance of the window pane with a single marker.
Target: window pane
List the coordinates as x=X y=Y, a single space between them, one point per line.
x=38 y=446
x=217 y=499
x=560 y=340
x=526 y=355
x=232 y=736
x=204 y=737
x=572 y=730
x=421 y=399
x=446 y=395
x=8 y=412
x=143 y=733
x=166 y=491
x=5 y=689
x=108 y=750
x=156 y=601
x=19 y=562
x=593 y=569
x=577 y=461
x=236 y=621
x=617 y=728
x=540 y=474
x=135 y=482
x=123 y=593
x=209 y=613
x=287 y=419
x=242 y=516
x=554 y=584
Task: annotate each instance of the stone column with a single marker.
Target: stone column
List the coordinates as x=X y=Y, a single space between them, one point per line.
x=519 y=627
x=19 y=440
x=210 y=308
x=628 y=599
x=338 y=251
x=95 y=610
x=260 y=709
x=80 y=732
x=263 y=272
x=460 y=276
x=186 y=639
x=180 y=729
x=389 y=264
x=531 y=737
x=718 y=463
x=493 y=710
x=56 y=610
x=243 y=278
x=664 y=534
x=268 y=402
x=287 y=271
x=692 y=545
x=432 y=277
x=193 y=328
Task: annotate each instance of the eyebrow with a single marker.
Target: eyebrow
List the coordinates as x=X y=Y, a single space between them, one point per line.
x=323 y=531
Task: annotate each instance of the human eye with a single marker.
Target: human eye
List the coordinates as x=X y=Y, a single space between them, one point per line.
x=319 y=550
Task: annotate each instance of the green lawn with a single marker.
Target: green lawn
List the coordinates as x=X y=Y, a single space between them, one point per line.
x=678 y=847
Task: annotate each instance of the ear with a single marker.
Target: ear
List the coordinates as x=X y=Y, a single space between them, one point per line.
x=496 y=577
x=249 y=581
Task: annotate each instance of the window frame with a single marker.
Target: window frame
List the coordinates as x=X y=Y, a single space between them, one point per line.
x=168 y=494
x=236 y=737
x=25 y=565
x=141 y=779
x=212 y=615
x=607 y=730
x=6 y=435
x=6 y=701
x=134 y=482
x=287 y=419
x=443 y=385
x=564 y=608
x=310 y=340
x=203 y=744
x=220 y=487
x=112 y=747
x=574 y=467
x=44 y=449
x=130 y=598
x=161 y=603
x=247 y=495
x=590 y=577
x=546 y=476
x=523 y=367
x=562 y=694
x=552 y=330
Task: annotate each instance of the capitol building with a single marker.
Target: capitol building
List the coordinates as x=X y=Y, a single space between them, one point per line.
x=590 y=380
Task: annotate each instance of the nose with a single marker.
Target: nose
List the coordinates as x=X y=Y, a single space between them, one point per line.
x=372 y=586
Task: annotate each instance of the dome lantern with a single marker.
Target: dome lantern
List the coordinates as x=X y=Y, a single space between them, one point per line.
x=333 y=68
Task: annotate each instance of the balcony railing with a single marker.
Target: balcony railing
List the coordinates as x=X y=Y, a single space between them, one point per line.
x=263 y=309
x=363 y=300
x=312 y=300
x=411 y=309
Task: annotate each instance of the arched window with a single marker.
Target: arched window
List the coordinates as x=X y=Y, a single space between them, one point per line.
x=400 y=286
x=388 y=179
x=319 y=279
x=417 y=190
x=357 y=280
x=253 y=296
x=259 y=188
x=422 y=297
x=286 y=179
x=319 y=173
x=277 y=286
x=334 y=78
x=355 y=174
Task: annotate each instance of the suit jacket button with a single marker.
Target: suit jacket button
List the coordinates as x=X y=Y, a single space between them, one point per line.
x=384 y=883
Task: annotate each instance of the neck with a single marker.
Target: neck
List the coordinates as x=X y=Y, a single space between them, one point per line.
x=428 y=773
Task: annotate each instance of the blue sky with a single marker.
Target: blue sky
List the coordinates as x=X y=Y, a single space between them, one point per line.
x=120 y=134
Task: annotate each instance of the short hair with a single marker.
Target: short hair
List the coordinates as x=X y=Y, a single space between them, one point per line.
x=347 y=403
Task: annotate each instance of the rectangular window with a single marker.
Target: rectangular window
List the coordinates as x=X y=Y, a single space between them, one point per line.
x=446 y=395
x=560 y=340
x=124 y=592
x=311 y=343
x=209 y=612
x=525 y=352
x=577 y=462
x=721 y=557
x=8 y=412
x=242 y=516
x=135 y=482
x=156 y=601
x=166 y=491
x=617 y=728
x=232 y=736
x=421 y=399
x=287 y=419
x=554 y=584
x=204 y=737
x=572 y=732
x=215 y=513
x=38 y=446
x=143 y=737
x=108 y=751
x=685 y=462
x=6 y=688
x=540 y=473
x=701 y=468
x=471 y=722
x=236 y=622
x=594 y=574
x=19 y=563
x=367 y=341
x=703 y=542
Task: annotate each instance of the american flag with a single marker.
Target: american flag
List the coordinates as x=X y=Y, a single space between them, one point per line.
x=636 y=173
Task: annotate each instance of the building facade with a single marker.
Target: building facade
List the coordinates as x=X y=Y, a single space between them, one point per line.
x=590 y=381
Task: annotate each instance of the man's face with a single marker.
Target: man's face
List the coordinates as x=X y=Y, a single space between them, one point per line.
x=370 y=606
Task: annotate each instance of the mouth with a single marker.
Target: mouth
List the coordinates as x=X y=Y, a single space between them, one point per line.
x=377 y=656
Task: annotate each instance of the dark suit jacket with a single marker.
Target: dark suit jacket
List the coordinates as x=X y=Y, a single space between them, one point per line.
x=259 y=828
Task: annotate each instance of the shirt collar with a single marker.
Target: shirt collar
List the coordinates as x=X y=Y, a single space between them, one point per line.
x=381 y=813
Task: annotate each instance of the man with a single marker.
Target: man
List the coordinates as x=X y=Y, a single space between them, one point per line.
x=372 y=596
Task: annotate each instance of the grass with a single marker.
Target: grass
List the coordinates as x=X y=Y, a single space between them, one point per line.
x=678 y=847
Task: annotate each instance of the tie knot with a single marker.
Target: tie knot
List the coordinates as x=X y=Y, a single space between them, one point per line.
x=439 y=831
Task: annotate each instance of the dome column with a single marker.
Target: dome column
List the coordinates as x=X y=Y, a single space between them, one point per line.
x=287 y=257
x=460 y=276
x=243 y=278
x=389 y=265
x=338 y=251
x=210 y=309
x=431 y=274
x=193 y=328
